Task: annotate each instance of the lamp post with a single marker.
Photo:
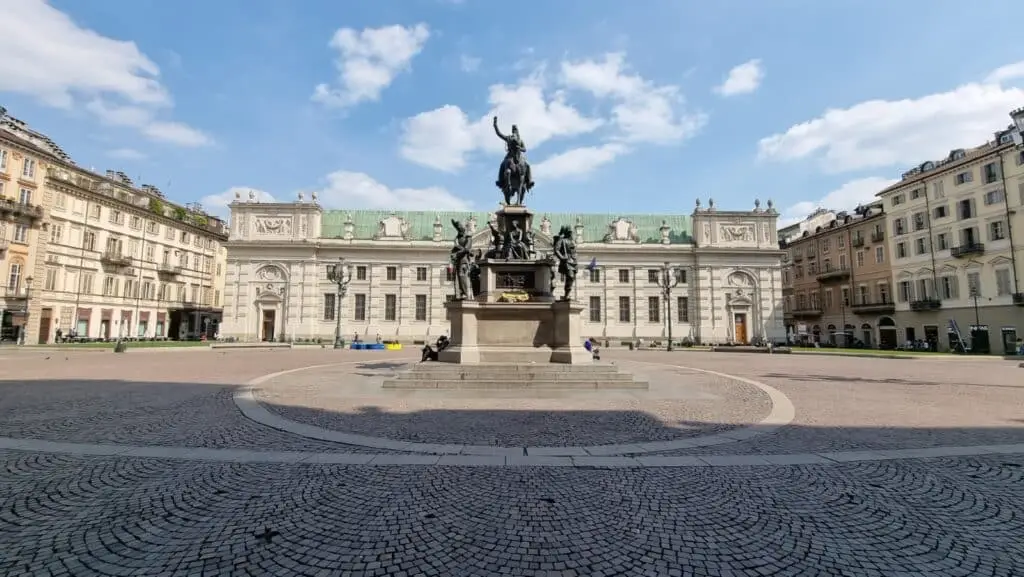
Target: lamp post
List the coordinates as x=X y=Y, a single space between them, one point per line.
x=28 y=298
x=1018 y=139
x=668 y=279
x=340 y=274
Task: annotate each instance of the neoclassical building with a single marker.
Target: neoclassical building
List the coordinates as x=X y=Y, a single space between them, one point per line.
x=278 y=254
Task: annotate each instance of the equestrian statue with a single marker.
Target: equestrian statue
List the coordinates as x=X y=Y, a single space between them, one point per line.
x=514 y=176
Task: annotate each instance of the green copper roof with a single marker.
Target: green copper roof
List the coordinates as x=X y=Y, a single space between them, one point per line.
x=595 y=226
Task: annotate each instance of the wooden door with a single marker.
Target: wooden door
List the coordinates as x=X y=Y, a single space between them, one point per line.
x=45 y=322
x=268 y=325
x=741 y=328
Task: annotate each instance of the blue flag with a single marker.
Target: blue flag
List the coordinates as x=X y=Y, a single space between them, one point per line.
x=593 y=264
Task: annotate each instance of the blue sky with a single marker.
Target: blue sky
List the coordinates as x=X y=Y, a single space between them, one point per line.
x=625 y=106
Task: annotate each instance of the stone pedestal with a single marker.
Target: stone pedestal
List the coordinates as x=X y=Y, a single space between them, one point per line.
x=515 y=332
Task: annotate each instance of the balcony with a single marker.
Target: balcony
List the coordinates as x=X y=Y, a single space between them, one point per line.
x=168 y=269
x=806 y=312
x=858 y=241
x=115 y=258
x=1018 y=299
x=14 y=293
x=866 y=307
x=967 y=249
x=10 y=208
x=831 y=274
x=877 y=236
x=923 y=305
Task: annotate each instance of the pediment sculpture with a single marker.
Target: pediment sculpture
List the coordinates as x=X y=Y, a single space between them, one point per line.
x=622 y=230
x=270 y=273
x=393 y=227
x=739 y=279
x=278 y=226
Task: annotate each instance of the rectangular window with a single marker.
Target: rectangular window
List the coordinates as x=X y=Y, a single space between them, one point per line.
x=624 y=310
x=942 y=241
x=391 y=273
x=449 y=274
x=14 y=277
x=51 y=280
x=623 y=275
x=28 y=168
x=1003 y=282
x=941 y=211
x=595 y=275
x=950 y=290
x=901 y=250
x=879 y=254
x=989 y=173
x=330 y=306
x=595 y=309
x=906 y=291
x=973 y=284
x=996 y=230
x=21 y=233
x=421 y=273
x=994 y=197
x=3 y=159
x=965 y=177
x=421 y=307
x=359 y=310
x=860 y=258
x=360 y=273
x=654 y=309
x=919 y=246
x=683 y=309
x=25 y=197
x=652 y=276
x=390 y=307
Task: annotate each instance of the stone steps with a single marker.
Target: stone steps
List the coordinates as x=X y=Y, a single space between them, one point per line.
x=513 y=376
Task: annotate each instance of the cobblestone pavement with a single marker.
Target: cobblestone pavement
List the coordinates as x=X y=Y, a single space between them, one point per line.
x=161 y=398
x=846 y=403
x=680 y=403
x=85 y=516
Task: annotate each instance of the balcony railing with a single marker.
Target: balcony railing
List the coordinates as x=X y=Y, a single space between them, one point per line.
x=10 y=292
x=834 y=274
x=858 y=241
x=807 y=312
x=877 y=236
x=929 y=304
x=169 y=269
x=115 y=258
x=967 y=250
x=20 y=209
x=873 y=307
x=1018 y=299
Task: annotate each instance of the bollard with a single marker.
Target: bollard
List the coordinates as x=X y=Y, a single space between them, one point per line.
x=120 y=346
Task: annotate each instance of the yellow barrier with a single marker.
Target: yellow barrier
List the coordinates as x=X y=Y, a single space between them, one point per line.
x=393 y=346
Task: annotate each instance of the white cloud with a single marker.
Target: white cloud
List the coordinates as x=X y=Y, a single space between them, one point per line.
x=142 y=119
x=883 y=133
x=578 y=161
x=846 y=197
x=442 y=138
x=358 y=190
x=638 y=111
x=126 y=154
x=217 y=204
x=742 y=79
x=469 y=63
x=369 y=60
x=49 y=57
x=643 y=111
x=345 y=189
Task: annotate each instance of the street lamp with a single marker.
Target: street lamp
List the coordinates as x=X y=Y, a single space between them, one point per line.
x=28 y=297
x=340 y=274
x=668 y=279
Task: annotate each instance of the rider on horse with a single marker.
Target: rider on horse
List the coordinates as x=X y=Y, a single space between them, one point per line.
x=515 y=161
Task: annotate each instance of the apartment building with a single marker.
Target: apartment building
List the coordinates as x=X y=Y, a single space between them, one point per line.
x=837 y=282
x=951 y=240
x=23 y=154
x=111 y=259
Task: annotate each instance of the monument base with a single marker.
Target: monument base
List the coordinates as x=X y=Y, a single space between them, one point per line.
x=515 y=332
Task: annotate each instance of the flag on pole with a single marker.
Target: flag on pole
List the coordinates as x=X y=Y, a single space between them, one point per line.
x=593 y=264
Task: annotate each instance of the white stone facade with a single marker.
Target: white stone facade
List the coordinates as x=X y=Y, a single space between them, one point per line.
x=276 y=275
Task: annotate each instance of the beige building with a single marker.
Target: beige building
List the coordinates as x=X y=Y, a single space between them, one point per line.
x=23 y=156
x=277 y=288
x=108 y=259
x=955 y=250
x=837 y=282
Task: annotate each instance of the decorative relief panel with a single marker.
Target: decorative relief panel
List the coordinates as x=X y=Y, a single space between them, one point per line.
x=735 y=233
x=273 y=225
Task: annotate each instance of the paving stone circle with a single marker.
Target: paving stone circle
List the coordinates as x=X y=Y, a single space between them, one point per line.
x=142 y=464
